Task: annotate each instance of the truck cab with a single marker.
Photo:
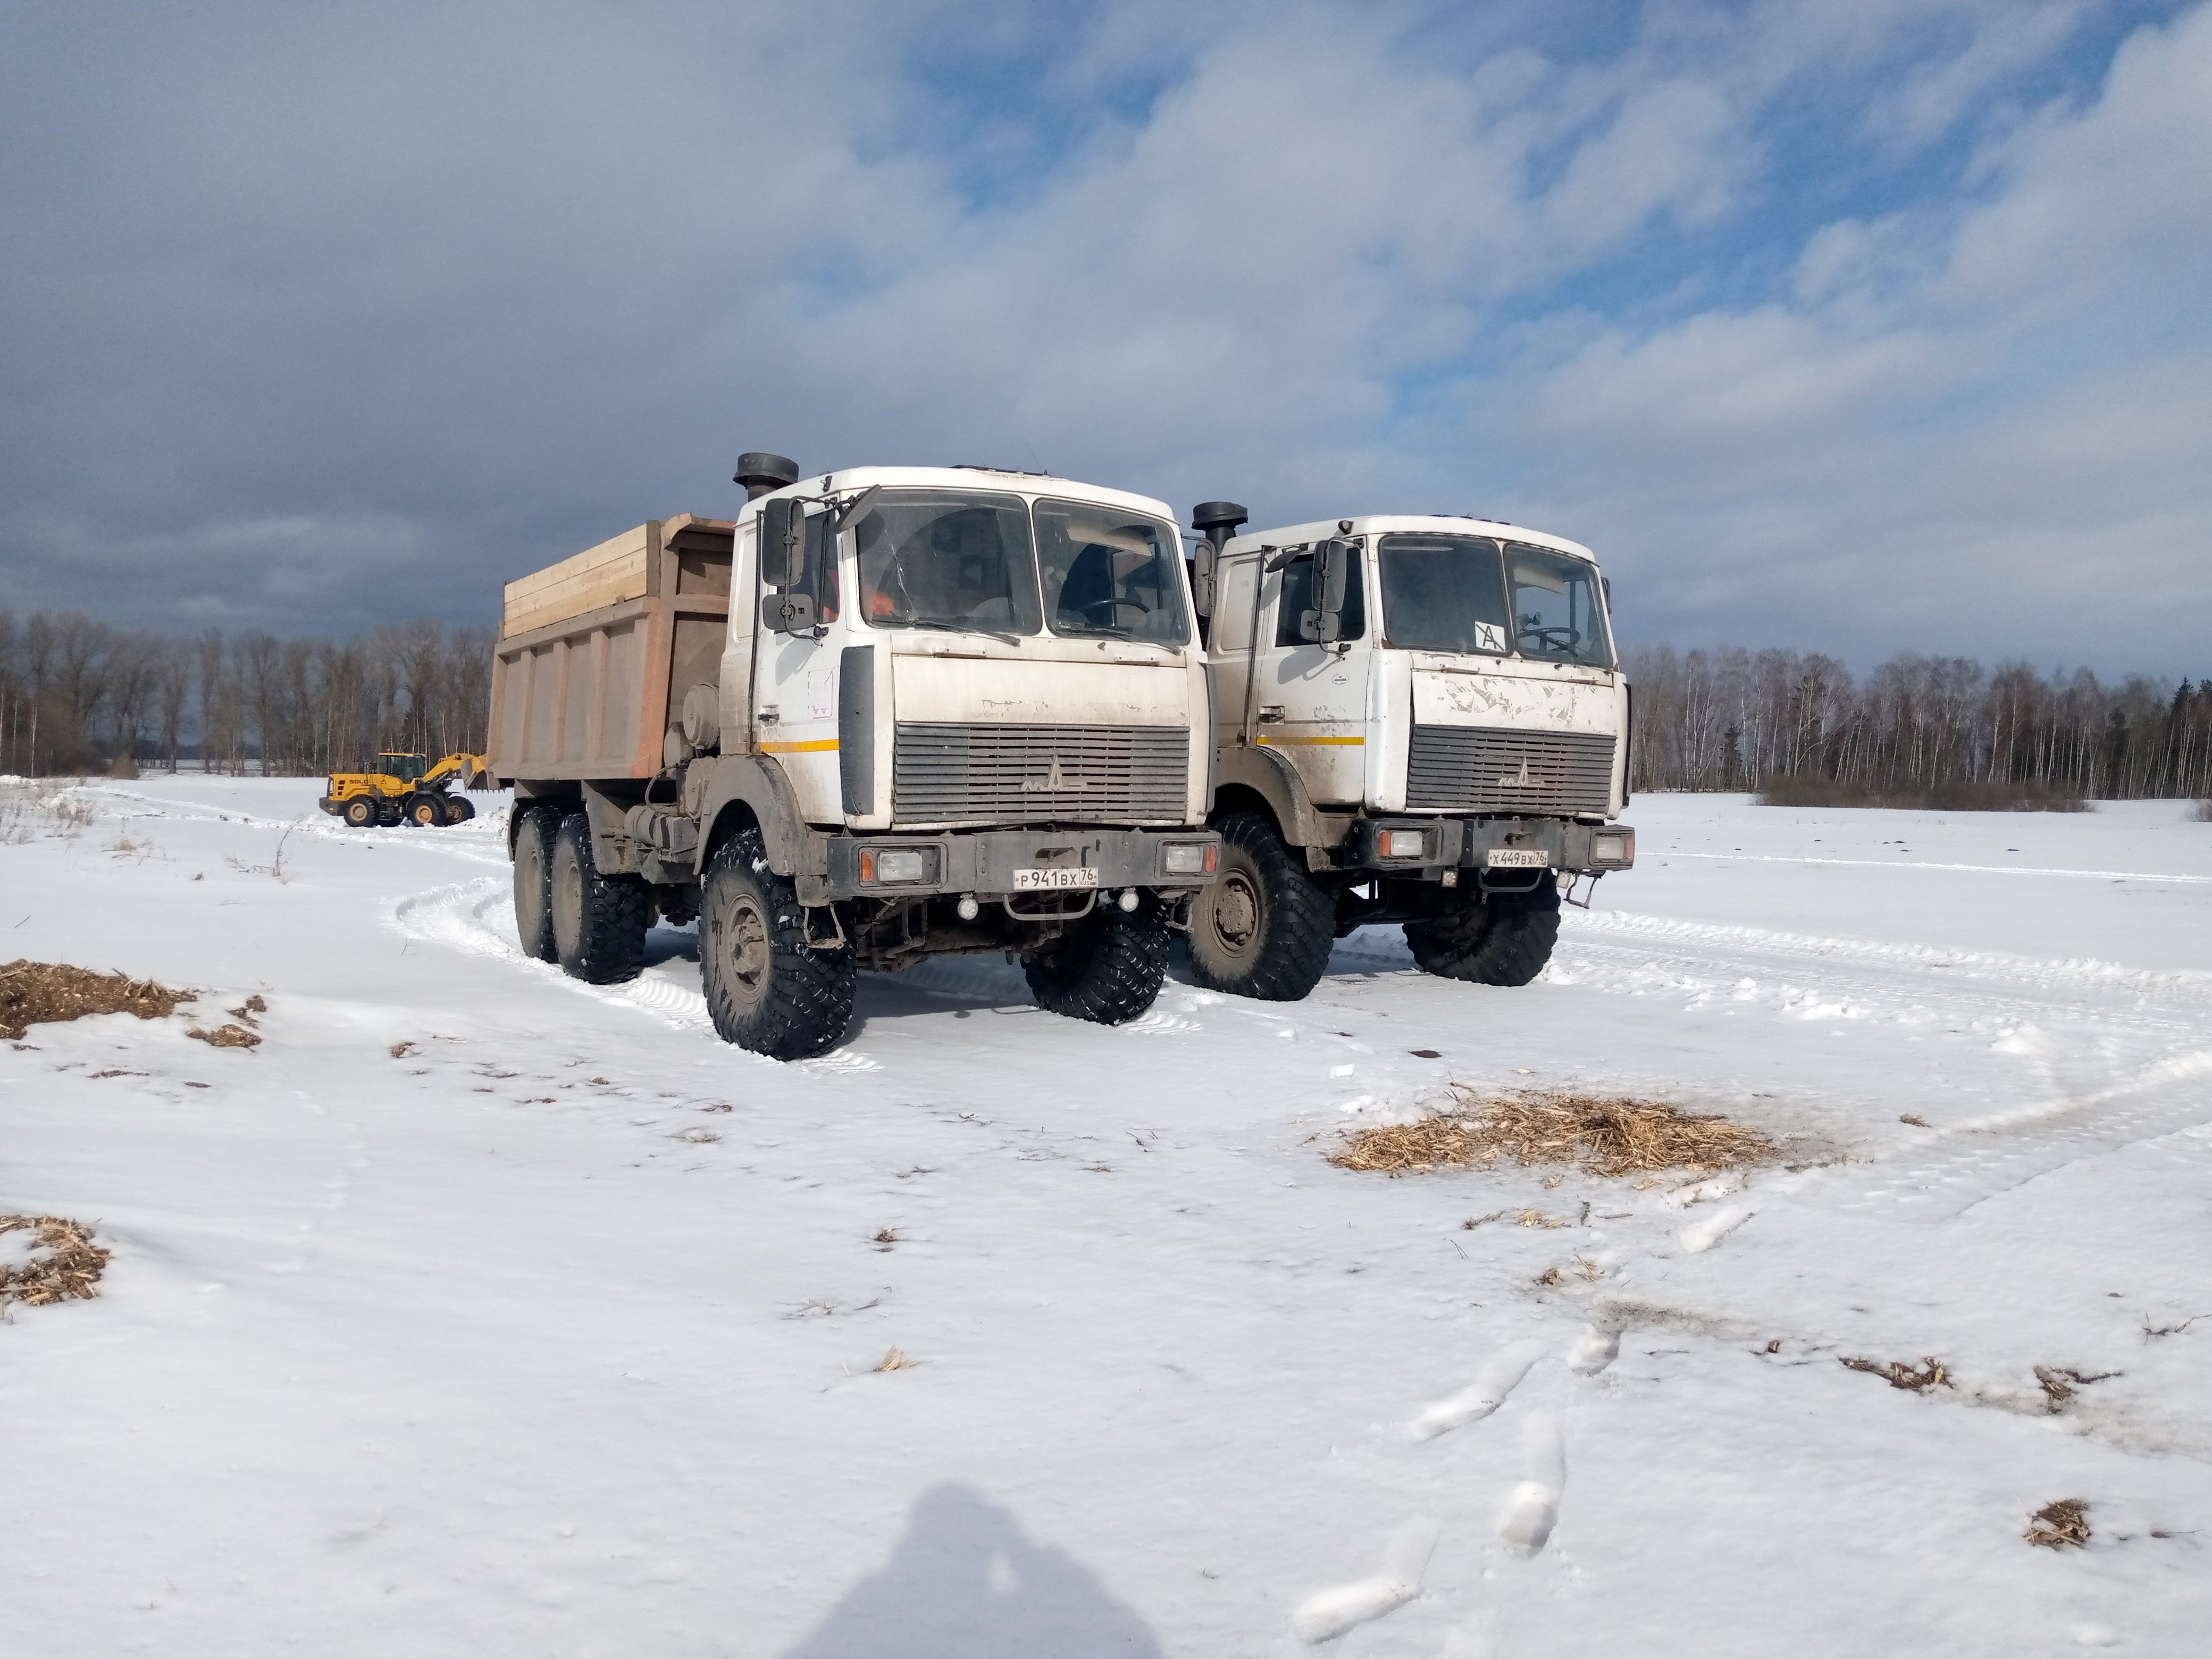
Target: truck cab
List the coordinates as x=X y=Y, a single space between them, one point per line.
x=1418 y=719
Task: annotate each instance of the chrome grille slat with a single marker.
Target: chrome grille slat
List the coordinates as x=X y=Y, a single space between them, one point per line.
x=1466 y=768
x=945 y=772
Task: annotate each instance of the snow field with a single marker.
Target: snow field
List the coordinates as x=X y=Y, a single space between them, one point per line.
x=554 y=1332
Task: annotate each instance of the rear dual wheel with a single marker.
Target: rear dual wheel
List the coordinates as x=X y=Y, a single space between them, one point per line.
x=599 y=921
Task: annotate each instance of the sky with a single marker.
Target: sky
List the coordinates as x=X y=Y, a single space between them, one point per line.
x=1855 y=325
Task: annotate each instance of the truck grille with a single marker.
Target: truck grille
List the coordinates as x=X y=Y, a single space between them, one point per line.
x=943 y=773
x=1475 y=768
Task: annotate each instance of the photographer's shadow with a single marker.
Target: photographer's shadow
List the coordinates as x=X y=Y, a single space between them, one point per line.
x=966 y=1583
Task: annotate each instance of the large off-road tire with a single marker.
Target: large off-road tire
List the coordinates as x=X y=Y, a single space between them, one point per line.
x=1107 y=968
x=766 y=990
x=459 y=808
x=534 y=828
x=1506 y=941
x=428 y=810
x=599 y=922
x=1264 y=926
x=359 y=812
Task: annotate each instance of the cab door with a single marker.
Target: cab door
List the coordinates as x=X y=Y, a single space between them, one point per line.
x=1311 y=696
x=795 y=682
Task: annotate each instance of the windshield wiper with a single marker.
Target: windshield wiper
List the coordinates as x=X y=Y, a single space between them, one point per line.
x=1111 y=634
x=954 y=627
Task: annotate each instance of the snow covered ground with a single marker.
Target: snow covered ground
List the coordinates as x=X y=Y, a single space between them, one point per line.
x=553 y=1332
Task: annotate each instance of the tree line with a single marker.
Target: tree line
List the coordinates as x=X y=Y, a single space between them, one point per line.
x=77 y=696
x=1730 y=718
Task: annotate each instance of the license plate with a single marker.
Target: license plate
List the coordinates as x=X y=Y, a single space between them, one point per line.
x=1517 y=857
x=1055 y=878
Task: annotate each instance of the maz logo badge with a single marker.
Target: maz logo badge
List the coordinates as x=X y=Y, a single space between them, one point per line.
x=1054 y=781
x=1520 y=780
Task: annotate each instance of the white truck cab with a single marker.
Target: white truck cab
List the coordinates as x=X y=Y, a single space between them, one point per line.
x=1418 y=719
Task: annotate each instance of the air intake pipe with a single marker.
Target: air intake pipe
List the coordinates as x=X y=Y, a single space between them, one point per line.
x=761 y=472
x=1217 y=522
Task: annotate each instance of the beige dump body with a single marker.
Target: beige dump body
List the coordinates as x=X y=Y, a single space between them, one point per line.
x=592 y=649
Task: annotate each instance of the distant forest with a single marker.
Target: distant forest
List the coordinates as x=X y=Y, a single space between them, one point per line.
x=77 y=696
x=1731 y=719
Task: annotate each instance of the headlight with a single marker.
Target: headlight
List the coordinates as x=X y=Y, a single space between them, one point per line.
x=1614 y=848
x=1188 y=858
x=898 y=864
x=1405 y=843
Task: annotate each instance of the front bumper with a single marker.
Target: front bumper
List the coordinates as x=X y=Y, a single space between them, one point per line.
x=1442 y=844
x=983 y=861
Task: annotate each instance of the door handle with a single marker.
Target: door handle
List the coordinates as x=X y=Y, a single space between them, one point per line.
x=1270 y=711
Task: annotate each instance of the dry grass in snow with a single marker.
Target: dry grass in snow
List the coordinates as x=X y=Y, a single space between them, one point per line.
x=35 y=993
x=2055 y=1526
x=68 y=1266
x=1606 y=1136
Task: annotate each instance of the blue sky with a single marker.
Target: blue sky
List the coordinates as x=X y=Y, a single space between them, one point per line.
x=1855 y=326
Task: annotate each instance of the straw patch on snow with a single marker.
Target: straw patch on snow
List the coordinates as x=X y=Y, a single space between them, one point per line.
x=39 y=993
x=2059 y=1525
x=64 y=1263
x=1605 y=1135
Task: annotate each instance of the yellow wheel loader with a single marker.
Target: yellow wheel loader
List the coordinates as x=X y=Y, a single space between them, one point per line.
x=405 y=789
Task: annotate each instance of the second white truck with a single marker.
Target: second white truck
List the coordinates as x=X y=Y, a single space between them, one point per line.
x=1418 y=719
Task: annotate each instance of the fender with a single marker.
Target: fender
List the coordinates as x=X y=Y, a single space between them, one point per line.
x=712 y=782
x=1276 y=780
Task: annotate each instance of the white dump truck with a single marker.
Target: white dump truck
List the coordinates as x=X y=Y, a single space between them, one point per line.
x=1421 y=720
x=882 y=715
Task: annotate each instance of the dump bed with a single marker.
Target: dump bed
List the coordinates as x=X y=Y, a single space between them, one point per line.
x=590 y=651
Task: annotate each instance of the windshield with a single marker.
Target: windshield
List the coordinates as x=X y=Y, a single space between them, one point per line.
x=1451 y=593
x=1110 y=575
x=947 y=558
x=1444 y=593
x=1557 y=616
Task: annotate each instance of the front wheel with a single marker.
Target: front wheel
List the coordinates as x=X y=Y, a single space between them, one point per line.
x=1506 y=940
x=459 y=808
x=599 y=922
x=767 y=990
x=1264 y=926
x=1107 y=968
x=427 y=811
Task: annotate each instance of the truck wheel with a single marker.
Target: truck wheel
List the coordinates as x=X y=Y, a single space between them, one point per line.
x=459 y=808
x=361 y=811
x=1506 y=941
x=599 y=921
x=533 y=868
x=765 y=990
x=427 y=811
x=1264 y=926
x=1107 y=968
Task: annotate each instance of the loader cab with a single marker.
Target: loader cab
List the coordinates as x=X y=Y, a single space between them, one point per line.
x=408 y=768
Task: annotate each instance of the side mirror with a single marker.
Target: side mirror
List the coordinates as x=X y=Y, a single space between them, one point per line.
x=1325 y=621
x=1203 y=566
x=788 y=613
x=782 y=542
